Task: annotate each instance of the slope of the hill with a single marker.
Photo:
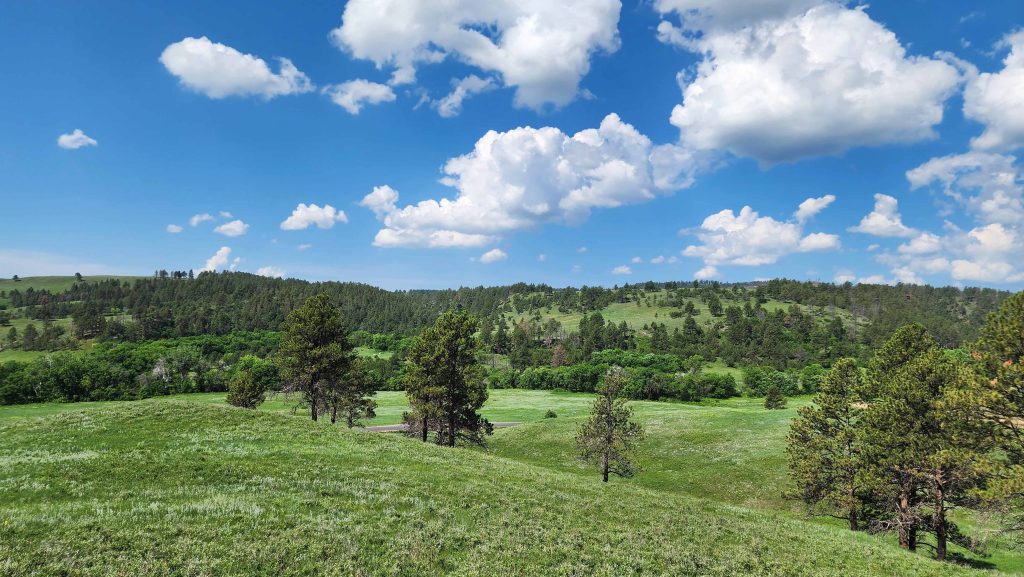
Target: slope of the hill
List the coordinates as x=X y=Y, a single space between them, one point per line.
x=176 y=488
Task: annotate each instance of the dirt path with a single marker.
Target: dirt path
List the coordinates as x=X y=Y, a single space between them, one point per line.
x=400 y=428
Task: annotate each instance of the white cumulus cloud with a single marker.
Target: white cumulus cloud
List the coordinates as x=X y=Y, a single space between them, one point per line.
x=198 y=219
x=219 y=259
x=305 y=216
x=997 y=100
x=174 y=228
x=778 y=83
x=884 y=220
x=542 y=49
x=233 y=228
x=270 y=271
x=623 y=269
x=812 y=206
x=75 y=140
x=493 y=255
x=749 y=239
x=451 y=105
x=524 y=178
x=355 y=94
x=219 y=71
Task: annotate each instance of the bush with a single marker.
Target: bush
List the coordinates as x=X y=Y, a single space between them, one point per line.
x=550 y=414
x=774 y=398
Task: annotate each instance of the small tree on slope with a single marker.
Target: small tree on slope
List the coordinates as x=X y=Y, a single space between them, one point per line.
x=608 y=436
x=824 y=455
x=774 y=399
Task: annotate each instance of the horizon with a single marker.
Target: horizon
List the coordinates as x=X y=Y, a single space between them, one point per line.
x=446 y=148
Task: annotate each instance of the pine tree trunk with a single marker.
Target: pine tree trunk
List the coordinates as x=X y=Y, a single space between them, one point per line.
x=852 y=494
x=604 y=466
x=853 y=520
x=423 y=430
x=451 y=431
x=939 y=522
x=905 y=530
x=312 y=408
x=334 y=413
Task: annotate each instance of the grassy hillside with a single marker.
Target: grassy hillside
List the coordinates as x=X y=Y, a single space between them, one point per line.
x=178 y=488
x=53 y=283
x=654 y=309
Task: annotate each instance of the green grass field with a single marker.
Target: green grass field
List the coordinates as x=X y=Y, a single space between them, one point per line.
x=178 y=487
x=726 y=455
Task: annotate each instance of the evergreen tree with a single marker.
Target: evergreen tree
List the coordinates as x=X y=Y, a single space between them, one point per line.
x=30 y=338
x=444 y=382
x=773 y=398
x=609 y=436
x=925 y=442
x=253 y=378
x=315 y=352
x=354 y=401
x=1000 y=354
x=12 y=336
x=824 y=456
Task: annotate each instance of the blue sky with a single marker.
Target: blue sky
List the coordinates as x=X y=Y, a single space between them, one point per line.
x=871 y=143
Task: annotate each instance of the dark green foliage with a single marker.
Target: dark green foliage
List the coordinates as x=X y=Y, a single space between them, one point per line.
x=774 y=399
x=445 y=384
x=253 y=378
x=549 y=414
x=925 y=440
x=315 y=354
x=608 y=436
x=824 y=454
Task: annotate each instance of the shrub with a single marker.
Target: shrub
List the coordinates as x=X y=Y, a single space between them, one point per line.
x=550 y=414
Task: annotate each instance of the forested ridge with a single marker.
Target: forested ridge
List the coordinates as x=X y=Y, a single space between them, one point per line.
x=174 y=304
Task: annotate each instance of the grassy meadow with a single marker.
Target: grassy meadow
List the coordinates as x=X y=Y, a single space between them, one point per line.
x=180 y=487
x=192 y=471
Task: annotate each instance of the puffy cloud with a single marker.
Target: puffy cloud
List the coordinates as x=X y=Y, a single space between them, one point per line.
x=844 y=276
x=749 y=239
x=304 y=246
x=802 y=83
x=997 y=99
x=623 y=269
x=661 y=259
x=75 y=140
x=513 y=38
x=305 y=216
x=219 y=259
x=493 y=255
x=704 y=15
x=174 y=229
x=226 y=214
x=884 y=220
x=355 y=94
x=381 y=200
x=705 y=273
x=812 y=206
x=451 y=105
x=986 y=184
x=198 y=219
x=923 y=243
x=233 y=228
x=522 y=179
x=270 y=271
x=581 y=250
x=636 y=260
x=219 y=71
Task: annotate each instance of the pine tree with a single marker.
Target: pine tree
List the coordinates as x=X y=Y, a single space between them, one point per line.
x=773 y=398
x=445 y=384
x=315 y=352
x=824 y=455
x=354 y=401
x=1000 y=354
x=609 y=436
x=925 y=441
